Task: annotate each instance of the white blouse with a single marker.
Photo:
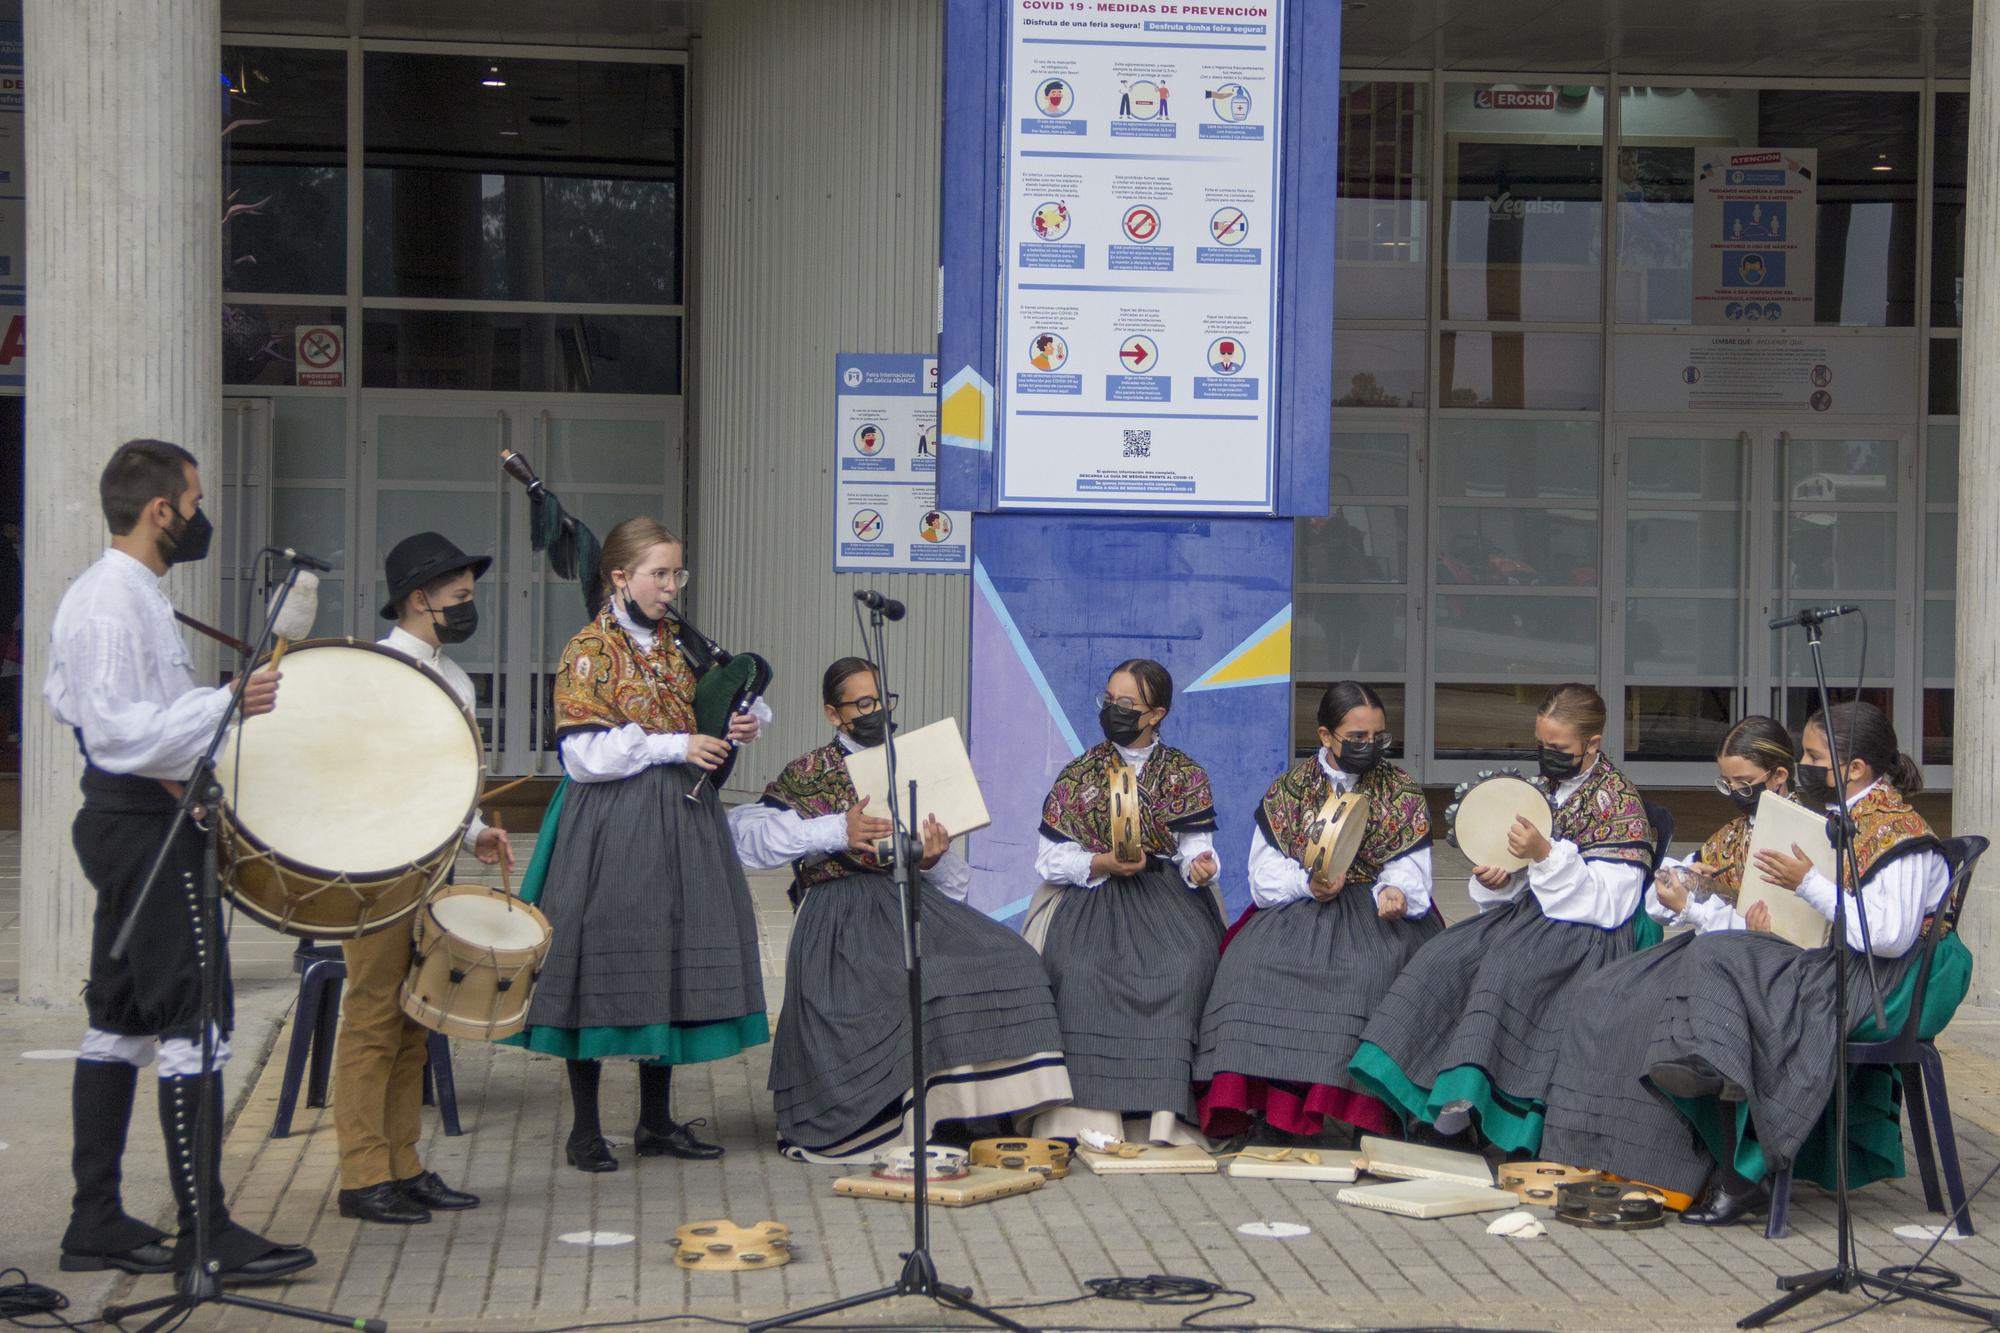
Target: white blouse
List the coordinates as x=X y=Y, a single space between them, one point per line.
x=120 y=672
x=768 y=838
x=1894 y=902
x=1277 y=879
x=1068 y=862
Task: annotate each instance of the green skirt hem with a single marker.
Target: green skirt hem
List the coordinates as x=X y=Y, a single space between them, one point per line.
x=1504 y=1121
x=662 y=1043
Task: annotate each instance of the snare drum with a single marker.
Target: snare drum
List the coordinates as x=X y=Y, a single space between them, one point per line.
x=1334 y=837
x=478 y=952
x=1482 y=810
x=344 y=805
x=1125 y=841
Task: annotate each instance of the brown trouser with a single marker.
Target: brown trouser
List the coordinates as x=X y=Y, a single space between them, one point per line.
x=378 y=1065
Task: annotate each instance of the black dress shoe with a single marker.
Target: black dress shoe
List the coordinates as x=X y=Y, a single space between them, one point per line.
x=385 y=1203
x=678 y=1141
x=1729 y=1201
x=151 y=1257
x=276 y=1262
x=592 y=1154
x=1691 y=1078
x=427 y=1190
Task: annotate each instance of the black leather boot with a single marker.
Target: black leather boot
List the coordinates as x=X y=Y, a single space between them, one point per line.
x=240 y=1254
x=101 y=1235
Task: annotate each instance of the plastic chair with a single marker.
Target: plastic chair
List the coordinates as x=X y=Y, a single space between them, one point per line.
x=322 y=972
x=1662 y=820
x=1917 y=1059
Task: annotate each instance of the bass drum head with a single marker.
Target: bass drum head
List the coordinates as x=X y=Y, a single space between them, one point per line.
x=1488 y=810
x=366 y=766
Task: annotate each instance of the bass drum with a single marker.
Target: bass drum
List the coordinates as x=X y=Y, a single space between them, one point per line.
x=344 y=805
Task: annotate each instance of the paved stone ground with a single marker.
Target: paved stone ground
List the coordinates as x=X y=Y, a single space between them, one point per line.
x=505 y=1267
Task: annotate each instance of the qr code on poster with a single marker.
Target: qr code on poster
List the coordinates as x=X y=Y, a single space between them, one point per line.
x=1138 y=444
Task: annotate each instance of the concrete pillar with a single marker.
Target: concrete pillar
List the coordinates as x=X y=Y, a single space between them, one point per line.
x=124 y=303
x=1976 y=751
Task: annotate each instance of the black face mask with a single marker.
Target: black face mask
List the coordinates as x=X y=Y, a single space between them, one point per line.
x=870 y=729
x=189 y=542
x=1746 y=799
x=640 y=618
x=1121 y=725
x=1357 y=757
x=1558 y=766
x=456 y=623
x=1816 y=780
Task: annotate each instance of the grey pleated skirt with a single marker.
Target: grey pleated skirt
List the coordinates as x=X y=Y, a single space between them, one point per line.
x=1602 y=1114
x=1299 y=984
x=649 y=910
x=1131 y=962
x=1495 y=993
x=840 y=1063
x=1761 y=1011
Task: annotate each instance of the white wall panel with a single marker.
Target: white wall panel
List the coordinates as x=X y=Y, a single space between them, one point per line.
x=817 y=125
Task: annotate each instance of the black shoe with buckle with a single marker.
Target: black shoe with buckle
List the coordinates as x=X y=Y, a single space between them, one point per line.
x=592 y=1154
x=429 y=1191
x=385 y=1203
x=677 y=1141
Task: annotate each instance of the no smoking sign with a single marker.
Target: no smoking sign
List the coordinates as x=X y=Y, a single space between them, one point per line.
x=1142 y=223
x=319 y=356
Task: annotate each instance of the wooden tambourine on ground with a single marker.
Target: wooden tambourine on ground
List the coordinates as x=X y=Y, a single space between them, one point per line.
x=1482 y=810
x=1125 y=843
x=1537 y=1182
x=1046 y=1157
x=1334 y=837
x=723 y=1247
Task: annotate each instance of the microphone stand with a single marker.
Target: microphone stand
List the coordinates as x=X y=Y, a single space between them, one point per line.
x=201 y=1283
x=1845 y=1275
x=920 y=1275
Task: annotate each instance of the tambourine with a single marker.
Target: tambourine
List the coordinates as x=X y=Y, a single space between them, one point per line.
x=1334 y=837
x=1125 y=844
x=1048 y=1158
x=723 y=1247
x=1603 y=1206
x=941 y=1164
x=1482 y=810
x=1538 y=1182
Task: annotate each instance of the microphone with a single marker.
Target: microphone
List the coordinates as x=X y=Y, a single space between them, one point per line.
x=1812 y=615
x=890 y=608
x=304 y=561
x=295 y=618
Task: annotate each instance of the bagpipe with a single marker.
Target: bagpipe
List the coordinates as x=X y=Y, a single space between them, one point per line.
x=725 y=683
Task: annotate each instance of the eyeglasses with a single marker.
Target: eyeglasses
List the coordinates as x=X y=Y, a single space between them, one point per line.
x=673 y=578
x=1383 y=739
x=1728 y=788
x=869 y=703
x=1108 y=700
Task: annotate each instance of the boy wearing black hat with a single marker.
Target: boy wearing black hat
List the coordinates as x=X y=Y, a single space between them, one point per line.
x=379 y=1058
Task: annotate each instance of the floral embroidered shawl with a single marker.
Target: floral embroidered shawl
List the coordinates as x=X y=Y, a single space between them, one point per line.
x=1399 y=821
x=606 y=681
x=1174 y=798
x=816 y=784
x=1606 y=819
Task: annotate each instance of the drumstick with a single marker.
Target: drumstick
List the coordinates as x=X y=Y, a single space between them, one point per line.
x=506 y=886
x=497 y=792
x=295 y=618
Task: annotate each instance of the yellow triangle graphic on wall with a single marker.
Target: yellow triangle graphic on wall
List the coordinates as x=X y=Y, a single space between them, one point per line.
x=1264 y=658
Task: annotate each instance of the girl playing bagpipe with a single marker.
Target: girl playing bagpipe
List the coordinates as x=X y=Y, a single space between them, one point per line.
x=655 y=952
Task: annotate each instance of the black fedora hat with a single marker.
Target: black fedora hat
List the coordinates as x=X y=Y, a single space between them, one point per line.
x=425 y=558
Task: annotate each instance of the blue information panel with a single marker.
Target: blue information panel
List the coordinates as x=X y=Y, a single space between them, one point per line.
x=885 y=456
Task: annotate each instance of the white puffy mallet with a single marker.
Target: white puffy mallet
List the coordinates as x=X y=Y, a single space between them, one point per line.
x=295 y=618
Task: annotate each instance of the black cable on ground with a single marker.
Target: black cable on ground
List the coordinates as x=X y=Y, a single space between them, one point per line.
x=24 y=1300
